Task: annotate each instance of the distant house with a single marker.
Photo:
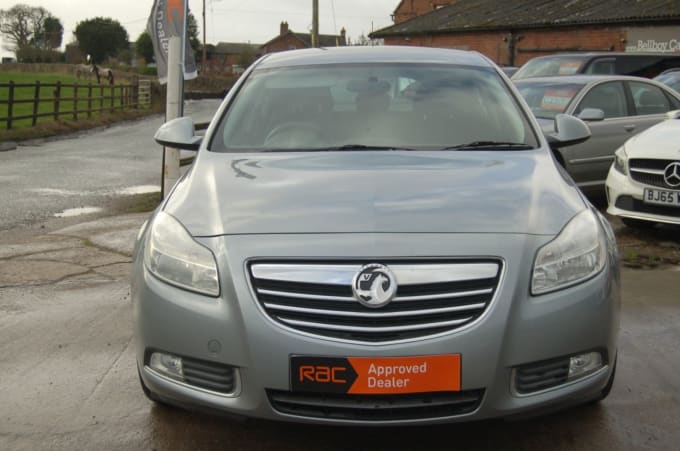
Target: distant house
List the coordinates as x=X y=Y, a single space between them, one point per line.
x=514 y=31
x=408 y=9
x=288 y=40
x=231 y=57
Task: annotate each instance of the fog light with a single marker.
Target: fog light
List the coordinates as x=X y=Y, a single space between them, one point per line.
x=584 y=364
x=168 y=365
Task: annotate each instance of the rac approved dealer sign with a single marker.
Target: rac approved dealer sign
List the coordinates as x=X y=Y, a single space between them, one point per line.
x=375 y=375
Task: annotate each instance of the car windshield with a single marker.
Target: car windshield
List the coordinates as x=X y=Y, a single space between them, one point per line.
x=547 y=100
x=550 y=66
x=671 y=79
x=372 y=106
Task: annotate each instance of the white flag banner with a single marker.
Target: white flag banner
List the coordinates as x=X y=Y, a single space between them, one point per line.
x=168 y=19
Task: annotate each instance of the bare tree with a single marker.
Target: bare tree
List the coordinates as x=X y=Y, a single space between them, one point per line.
x=24 y=26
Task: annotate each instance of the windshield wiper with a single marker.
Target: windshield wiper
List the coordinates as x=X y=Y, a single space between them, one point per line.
x=364 y=147
x=336 y=148
x=495 y=145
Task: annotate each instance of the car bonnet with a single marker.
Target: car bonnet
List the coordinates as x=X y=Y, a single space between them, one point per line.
x=374 y=192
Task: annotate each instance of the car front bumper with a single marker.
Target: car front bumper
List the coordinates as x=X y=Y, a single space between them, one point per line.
x=517 y=329
x=625 y=199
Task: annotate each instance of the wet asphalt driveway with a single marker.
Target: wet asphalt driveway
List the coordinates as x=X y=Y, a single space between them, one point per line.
x=68 y=378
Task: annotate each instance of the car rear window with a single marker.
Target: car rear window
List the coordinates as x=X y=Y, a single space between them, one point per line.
x=378 y=105
x=550 y=66
x=547 y=100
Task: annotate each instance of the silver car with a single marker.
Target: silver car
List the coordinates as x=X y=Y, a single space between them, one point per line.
x=615 y=108
x=670 y=78
x=375 y=236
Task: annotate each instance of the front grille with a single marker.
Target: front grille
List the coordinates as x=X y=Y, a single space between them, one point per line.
x=542 y=375
x=649 y=171
x=376 y=407
x=629 y=203
x=431 y=298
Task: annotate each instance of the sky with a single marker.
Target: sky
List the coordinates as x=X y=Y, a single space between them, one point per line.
x=255 y=21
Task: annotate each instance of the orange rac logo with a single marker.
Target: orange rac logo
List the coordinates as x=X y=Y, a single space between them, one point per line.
x=322 y=374
x=175 y=5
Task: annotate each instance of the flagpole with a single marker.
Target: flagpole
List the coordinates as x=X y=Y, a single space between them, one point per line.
x=175 y=99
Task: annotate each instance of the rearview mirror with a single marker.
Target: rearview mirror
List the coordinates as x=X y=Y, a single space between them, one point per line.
x=569 y=130
x=178 y=133
x=591 y=114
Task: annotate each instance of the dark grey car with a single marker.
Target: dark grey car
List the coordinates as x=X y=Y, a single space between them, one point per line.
x=615 y=108
x=375 y=236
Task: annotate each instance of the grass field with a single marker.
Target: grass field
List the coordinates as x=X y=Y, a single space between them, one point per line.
x=47 y=94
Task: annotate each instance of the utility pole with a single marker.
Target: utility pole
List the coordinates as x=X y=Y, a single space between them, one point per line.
x=203 y=57
x=315 y=23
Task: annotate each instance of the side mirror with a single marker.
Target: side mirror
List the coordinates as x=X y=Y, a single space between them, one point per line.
x=675 y=114
x=569 y=130
x=178 y=133
x=591 y=114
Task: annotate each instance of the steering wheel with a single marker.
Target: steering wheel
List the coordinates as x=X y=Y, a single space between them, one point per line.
x=295 y=134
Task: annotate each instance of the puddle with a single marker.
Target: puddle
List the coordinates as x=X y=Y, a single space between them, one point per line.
x=71 y=212
x=57 y=192
x=141 y=189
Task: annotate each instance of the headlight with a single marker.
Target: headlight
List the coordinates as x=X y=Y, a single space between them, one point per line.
x=621 y=161
x=578 y=253
x=172 y=255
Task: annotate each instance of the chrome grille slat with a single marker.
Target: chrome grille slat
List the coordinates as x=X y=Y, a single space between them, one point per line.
x=316 y=298
x=376 y=314
x=422 y=297
x=649 y=171
x=425 y=297
x=343 y=274
x=320 y=297
x=437 y=325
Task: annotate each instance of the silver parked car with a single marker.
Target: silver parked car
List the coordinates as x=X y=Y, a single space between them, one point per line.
x=375 y=236
x=615 y=107
x=670 y=78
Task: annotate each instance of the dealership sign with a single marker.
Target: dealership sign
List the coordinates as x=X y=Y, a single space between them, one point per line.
x=651 y=45
x=659 y=39
x=168 y=19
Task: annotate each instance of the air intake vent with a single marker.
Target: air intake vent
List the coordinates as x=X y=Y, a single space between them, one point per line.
x=376 y=407
x=542 y=375
x=209 y=376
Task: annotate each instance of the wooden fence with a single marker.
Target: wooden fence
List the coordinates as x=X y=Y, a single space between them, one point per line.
x=31 y=101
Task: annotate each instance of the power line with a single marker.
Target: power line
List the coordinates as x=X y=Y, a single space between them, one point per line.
x=294 y=13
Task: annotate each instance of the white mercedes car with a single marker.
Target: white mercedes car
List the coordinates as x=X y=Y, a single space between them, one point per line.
x=643 y=186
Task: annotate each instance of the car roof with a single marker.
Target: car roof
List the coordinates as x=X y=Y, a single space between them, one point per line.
x=585 y=55
x=372 y=54
x=580 y=79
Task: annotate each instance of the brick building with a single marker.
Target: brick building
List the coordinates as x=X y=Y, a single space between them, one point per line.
x=513 y=31
x=408 y=9
x=231 y=57
x=288 y=40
